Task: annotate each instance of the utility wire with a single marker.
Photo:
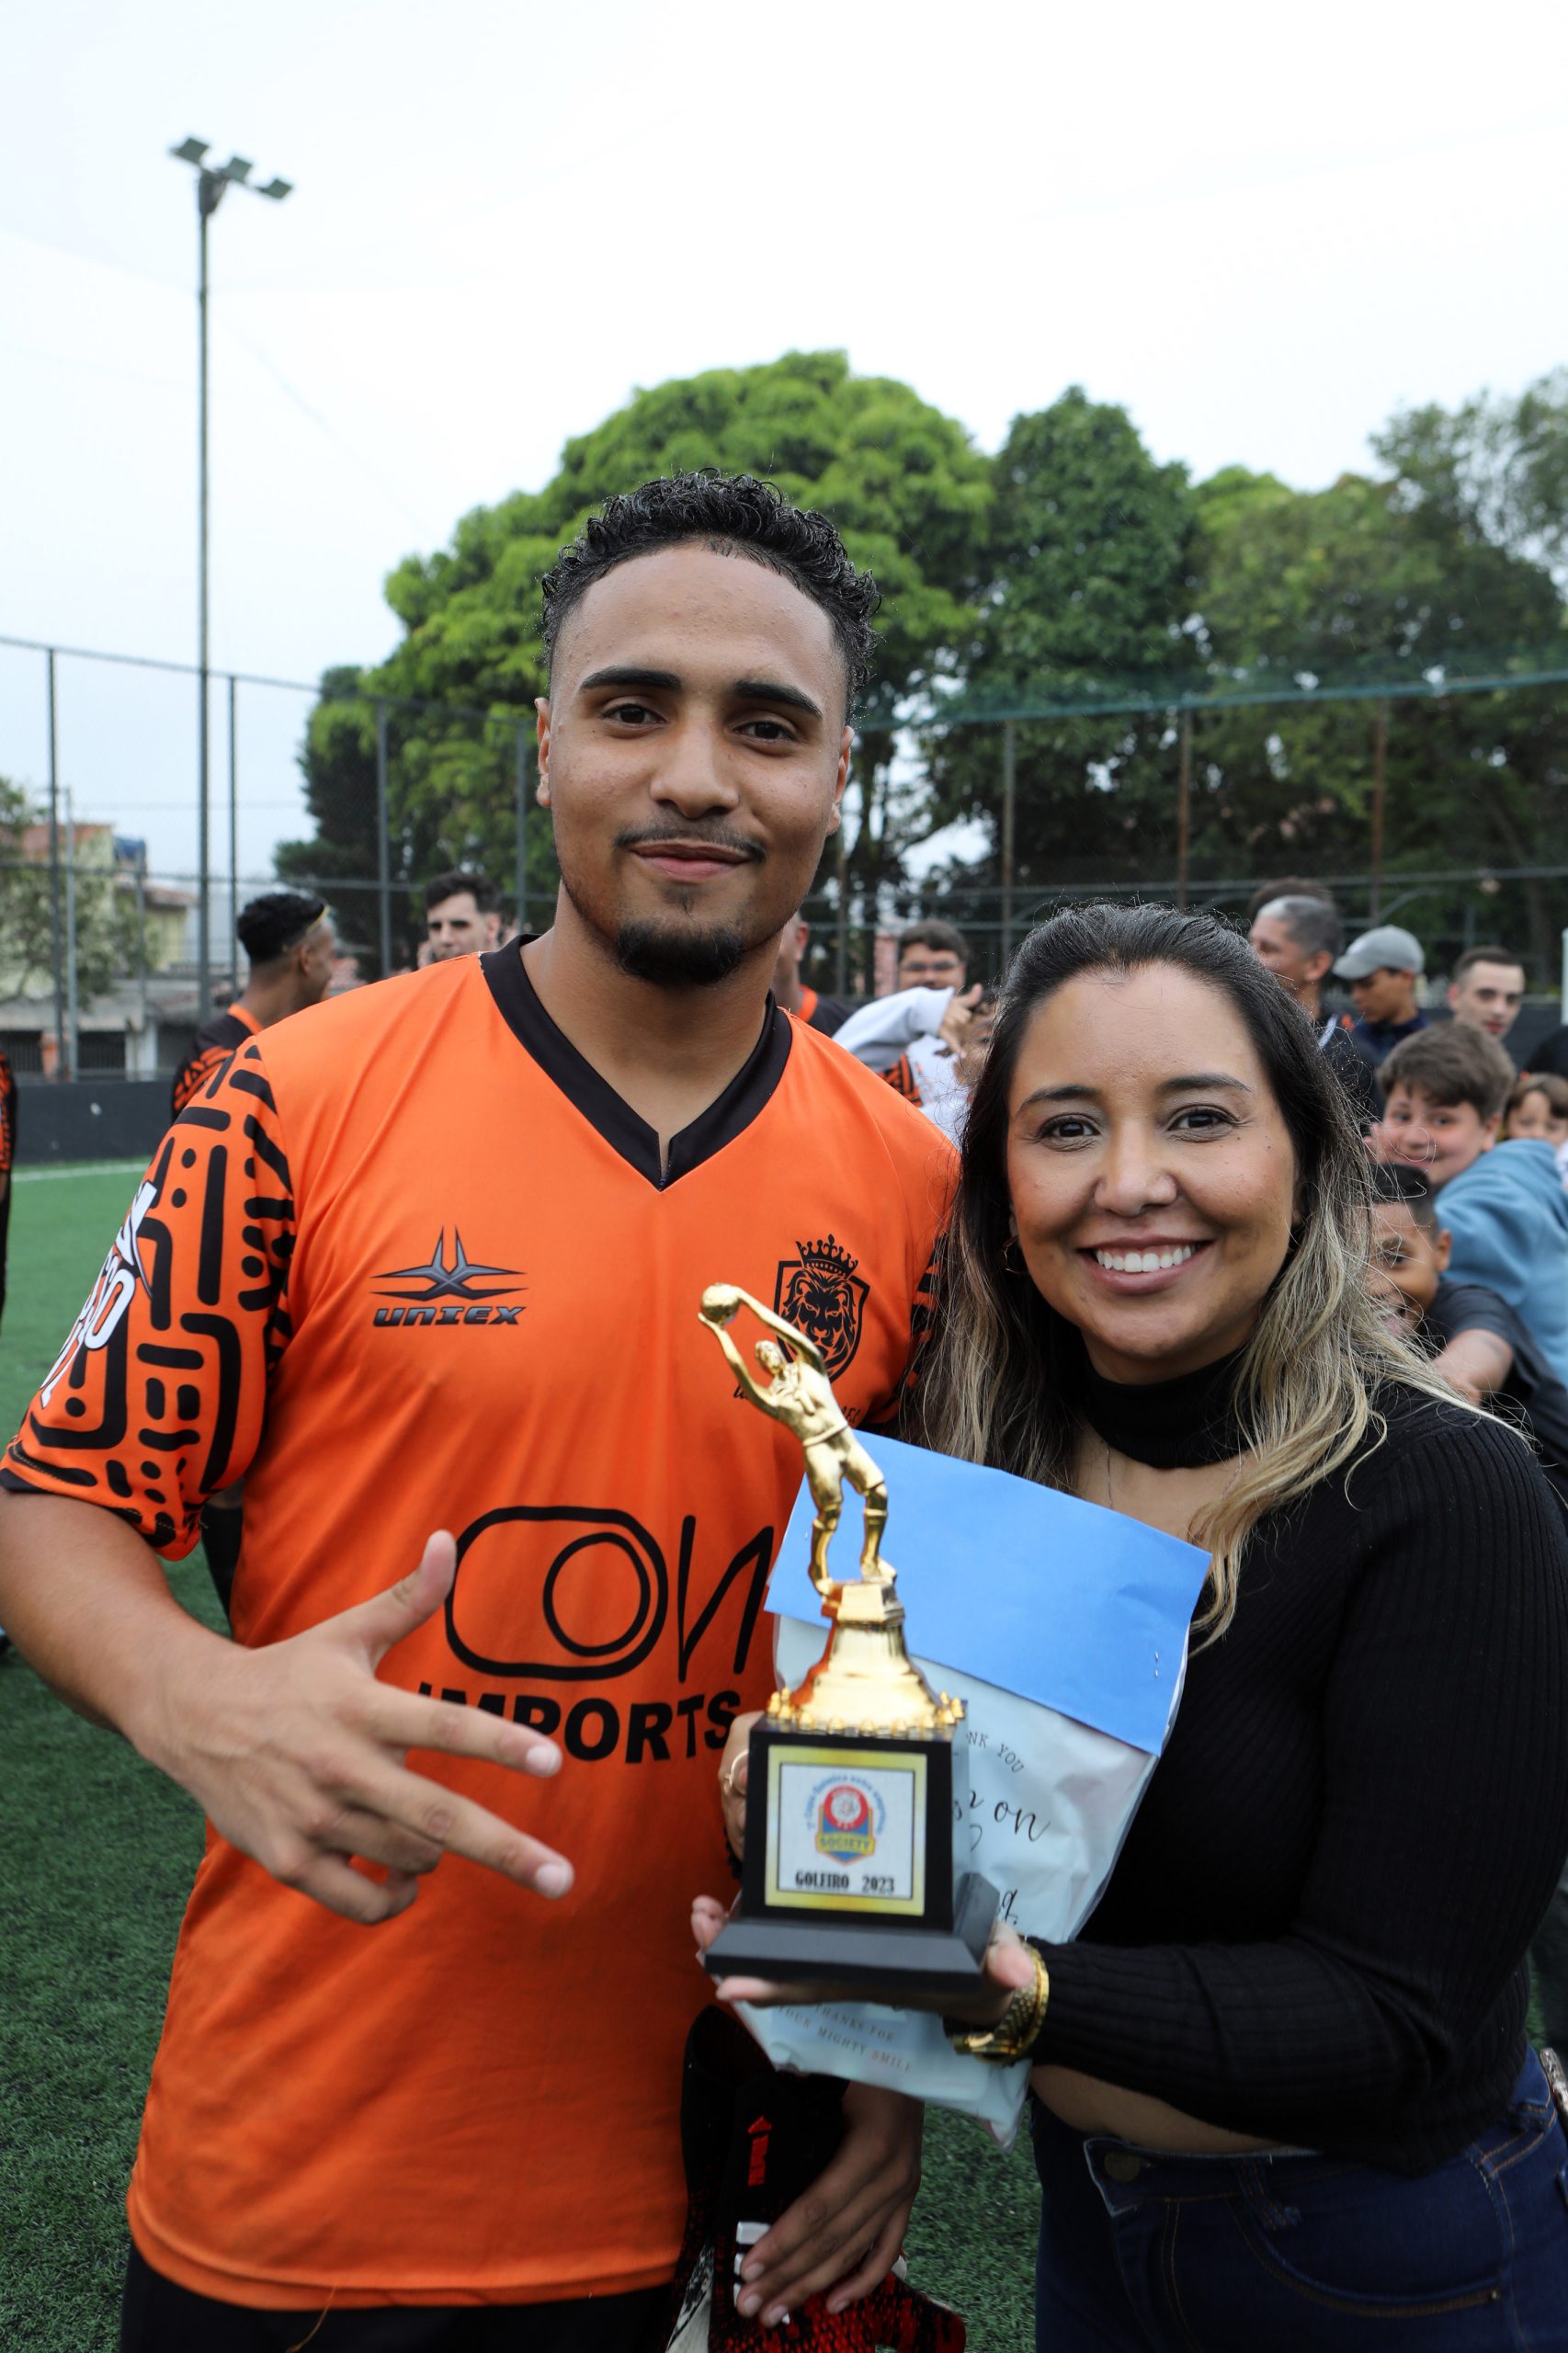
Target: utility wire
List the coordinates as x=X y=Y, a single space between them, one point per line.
x=322 y=425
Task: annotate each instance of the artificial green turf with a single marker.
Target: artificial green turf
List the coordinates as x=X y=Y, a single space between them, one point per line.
x=96 y=1854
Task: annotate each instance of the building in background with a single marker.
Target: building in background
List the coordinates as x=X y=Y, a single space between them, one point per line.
x=129 y=937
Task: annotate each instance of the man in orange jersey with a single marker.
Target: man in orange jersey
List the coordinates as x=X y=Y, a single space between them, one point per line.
x=796 y=995
x=409 y=1265
x=288 y=939
x=290 y=942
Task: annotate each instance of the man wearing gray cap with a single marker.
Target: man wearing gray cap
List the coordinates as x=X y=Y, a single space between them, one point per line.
x=1381 y=967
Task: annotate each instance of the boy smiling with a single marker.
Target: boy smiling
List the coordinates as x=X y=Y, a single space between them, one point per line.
x=1444 y=1090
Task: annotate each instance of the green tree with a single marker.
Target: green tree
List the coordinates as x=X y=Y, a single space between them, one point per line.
x=1494 y=470
x=1085 y=585
x=901 y=480
x=1435 y=568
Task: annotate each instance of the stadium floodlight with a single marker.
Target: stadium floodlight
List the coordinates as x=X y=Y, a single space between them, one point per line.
x=210 y=184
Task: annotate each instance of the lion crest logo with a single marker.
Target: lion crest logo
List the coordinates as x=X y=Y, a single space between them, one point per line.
x=820 y=1292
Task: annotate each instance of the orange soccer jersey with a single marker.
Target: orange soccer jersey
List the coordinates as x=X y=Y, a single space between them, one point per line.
x=407 y=1263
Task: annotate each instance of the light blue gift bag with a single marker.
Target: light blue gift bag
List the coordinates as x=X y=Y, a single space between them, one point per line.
x=1063 y=1629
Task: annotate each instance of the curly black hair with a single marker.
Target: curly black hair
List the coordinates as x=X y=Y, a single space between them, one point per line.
x=733 y=514
x=270 y=927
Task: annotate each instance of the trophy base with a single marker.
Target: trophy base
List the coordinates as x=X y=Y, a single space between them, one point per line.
x=892 y=1960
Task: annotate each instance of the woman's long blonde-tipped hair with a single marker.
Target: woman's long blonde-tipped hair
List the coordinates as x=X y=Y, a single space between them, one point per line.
x=998 y=1383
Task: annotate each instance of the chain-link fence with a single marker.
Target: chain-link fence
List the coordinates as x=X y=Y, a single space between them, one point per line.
x=119 y=894
x=1441 y=802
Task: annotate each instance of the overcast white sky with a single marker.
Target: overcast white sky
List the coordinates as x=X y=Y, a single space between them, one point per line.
x=1260 y=230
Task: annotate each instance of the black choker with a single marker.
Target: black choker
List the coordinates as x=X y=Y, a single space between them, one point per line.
x=1170 y=1425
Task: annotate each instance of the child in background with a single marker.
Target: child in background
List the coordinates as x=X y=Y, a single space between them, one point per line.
x=1480 y=1345
x=1444 y=1091
x=1538 y=1108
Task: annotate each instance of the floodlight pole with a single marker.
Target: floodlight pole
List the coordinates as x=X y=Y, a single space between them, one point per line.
x=210 y=187
x=56 y=909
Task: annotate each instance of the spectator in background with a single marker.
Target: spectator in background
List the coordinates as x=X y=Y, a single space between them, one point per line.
x=290 y=942
x=911 y=1036
x=1538 y=1109
x=1481 y=1345
x=1505 y=1206
x=939 y=1075
x=462 y=916
x=827 y=1014
x=1298 y=937
x=932 y=955
x=1487 y=990
x=288 y=938
x=1287 y=886
x=1382 y=967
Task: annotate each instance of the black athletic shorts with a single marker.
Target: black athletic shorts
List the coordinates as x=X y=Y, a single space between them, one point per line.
x=158 y=2317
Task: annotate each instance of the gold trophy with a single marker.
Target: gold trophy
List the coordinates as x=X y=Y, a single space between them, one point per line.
x=855 y=1782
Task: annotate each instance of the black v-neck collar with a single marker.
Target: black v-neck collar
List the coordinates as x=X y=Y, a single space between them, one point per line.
x=728 y=1116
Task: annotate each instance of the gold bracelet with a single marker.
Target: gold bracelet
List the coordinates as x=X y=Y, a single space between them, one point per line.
x=1017 y=2031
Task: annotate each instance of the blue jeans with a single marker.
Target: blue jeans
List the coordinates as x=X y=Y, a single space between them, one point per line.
x=1152 y=2254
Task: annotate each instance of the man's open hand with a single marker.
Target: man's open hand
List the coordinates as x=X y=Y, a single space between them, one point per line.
x=297 y=1753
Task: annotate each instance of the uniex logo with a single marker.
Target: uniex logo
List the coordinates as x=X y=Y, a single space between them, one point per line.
x=458 y=1291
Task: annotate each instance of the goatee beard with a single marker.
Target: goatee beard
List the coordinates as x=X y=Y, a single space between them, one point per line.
x=670 y=958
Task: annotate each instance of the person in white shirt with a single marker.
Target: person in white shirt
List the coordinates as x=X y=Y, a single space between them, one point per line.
x=929 y=1044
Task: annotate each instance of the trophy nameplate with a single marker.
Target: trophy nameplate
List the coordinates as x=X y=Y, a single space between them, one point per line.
x=855 y=1782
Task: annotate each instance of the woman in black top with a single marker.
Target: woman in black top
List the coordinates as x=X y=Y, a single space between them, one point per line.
x=1283 y=2093
x=1315 y=1939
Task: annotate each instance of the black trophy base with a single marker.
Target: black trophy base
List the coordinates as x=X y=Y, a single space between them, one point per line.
x=893 y=1960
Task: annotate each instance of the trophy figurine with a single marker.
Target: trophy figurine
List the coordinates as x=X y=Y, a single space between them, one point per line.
x=855 y=1782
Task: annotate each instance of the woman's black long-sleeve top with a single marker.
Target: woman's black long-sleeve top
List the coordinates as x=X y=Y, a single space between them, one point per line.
x=1315 y=1932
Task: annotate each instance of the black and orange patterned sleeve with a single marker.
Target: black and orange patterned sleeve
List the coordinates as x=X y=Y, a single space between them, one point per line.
x=215 y=1041
x=158 y=1397
x=901 y=1078
x=197 y=1073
